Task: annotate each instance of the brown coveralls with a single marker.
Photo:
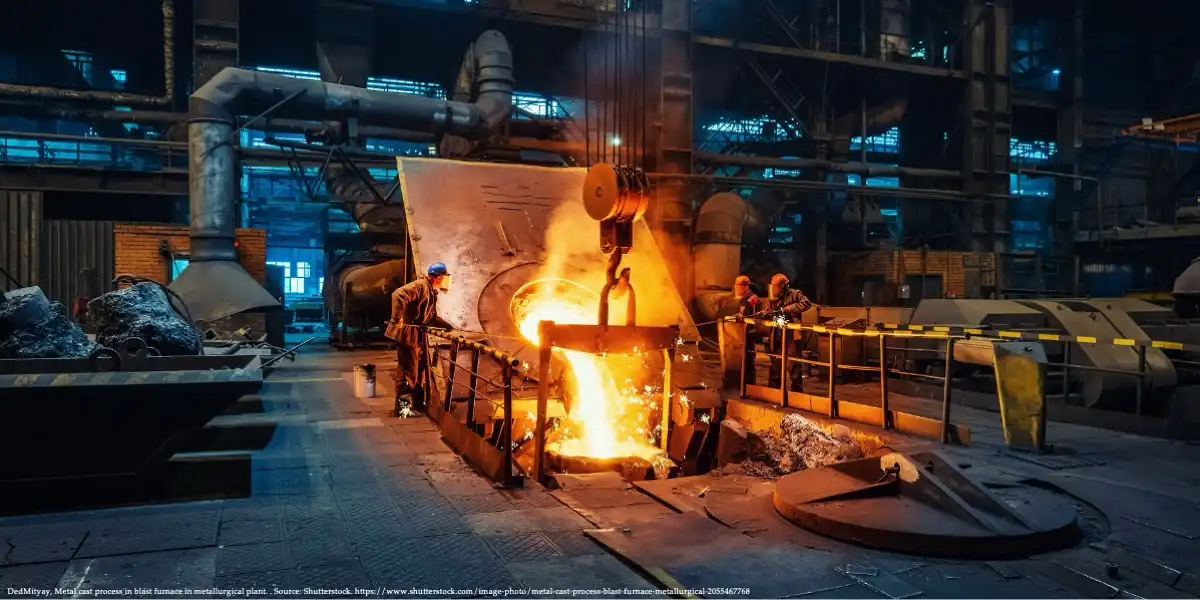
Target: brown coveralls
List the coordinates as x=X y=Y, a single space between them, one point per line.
x=790 y=306
x=415 y=304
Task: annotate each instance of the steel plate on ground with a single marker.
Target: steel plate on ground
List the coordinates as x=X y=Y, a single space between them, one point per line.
x=691 y=493
x=922 y=504
x=693 y=552
x=1055 y=462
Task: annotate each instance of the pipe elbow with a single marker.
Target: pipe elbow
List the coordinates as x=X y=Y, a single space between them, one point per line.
x=493 y=69
x=218 y=97
x=721 y=219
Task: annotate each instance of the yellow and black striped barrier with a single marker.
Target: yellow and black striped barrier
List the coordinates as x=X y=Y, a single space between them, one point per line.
x=1039 y=337
x=943 y=331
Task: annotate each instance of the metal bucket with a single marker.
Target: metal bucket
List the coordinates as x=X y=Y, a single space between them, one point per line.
x=364 y=381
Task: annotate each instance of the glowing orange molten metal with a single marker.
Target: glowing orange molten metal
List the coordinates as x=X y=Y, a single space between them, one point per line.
x=598 y=405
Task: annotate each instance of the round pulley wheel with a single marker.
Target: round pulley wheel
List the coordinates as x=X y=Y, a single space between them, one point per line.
x=600 y=192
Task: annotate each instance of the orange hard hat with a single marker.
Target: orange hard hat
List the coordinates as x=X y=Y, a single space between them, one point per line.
x=741 y=280
x=779 y=279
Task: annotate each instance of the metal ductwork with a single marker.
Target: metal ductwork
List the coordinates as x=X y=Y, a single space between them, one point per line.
x=717 y=252
x=1186 y=291
x=214 y=285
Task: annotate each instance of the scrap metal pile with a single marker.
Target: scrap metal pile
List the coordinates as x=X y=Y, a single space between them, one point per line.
x=143 y=311
x=31 y=326
x=802 y=444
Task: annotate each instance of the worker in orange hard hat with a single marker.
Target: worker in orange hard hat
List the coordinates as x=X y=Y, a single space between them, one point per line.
x=786 y=303
x=748 y=305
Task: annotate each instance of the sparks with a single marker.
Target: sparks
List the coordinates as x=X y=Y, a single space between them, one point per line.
x=595 y=398
x=686 y=358
x=705 y=418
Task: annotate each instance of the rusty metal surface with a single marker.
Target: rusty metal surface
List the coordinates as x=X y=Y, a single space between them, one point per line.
x=614 y=339
x=165 y=369
x=490 y=224
x=692 y=552
x=694 y=493
x=20 y=229
x=922 y=504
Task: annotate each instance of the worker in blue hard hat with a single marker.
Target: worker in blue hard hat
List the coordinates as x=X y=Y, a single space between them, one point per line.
x=414 y=306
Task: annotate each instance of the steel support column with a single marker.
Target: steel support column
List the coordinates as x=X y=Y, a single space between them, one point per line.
x=987 y=115
x=1070 y=133
x=215 y=38
x=671 y=214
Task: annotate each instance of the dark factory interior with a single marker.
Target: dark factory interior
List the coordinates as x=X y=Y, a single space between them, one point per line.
x=586 y=298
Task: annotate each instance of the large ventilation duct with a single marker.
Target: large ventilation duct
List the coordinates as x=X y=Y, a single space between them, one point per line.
x=1187 y=291
x=214 y=285
x=717 y=252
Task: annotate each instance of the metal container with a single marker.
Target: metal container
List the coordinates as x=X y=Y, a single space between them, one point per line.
x=364 y=381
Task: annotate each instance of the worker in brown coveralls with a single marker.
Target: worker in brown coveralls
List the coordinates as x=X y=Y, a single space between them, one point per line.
x=415 y=305
x=786 y=303
x=748 y=306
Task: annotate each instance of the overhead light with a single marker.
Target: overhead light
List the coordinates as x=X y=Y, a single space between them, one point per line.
x=616 y=141
x=1056 y=72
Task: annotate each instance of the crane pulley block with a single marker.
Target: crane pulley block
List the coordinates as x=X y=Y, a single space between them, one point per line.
x=616 y=197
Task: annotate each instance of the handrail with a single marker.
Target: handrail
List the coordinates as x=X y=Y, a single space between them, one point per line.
x=509 y=364
x=500 y=356
x=832 y=365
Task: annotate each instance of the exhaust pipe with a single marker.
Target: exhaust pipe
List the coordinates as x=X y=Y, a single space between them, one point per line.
x=214 y=285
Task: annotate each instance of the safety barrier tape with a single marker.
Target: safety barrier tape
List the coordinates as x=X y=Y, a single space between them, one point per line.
x=943 y=331
x=1043 y=337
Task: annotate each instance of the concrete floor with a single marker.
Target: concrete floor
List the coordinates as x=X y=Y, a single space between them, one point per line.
x=347 y=497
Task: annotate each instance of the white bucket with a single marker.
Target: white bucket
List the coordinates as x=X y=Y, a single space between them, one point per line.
x=364 y=381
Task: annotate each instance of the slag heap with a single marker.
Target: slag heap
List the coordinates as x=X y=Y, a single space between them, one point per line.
x=802 y=444
x=143 y=311
x=31 y=326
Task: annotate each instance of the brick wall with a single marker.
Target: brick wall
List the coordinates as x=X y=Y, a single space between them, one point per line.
x=137 y=249
x=896 y=265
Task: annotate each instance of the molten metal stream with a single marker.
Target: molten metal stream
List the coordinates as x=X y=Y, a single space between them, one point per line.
x=594 y=409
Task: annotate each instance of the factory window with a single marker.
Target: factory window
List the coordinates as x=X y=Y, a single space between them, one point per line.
x=1033 y=151
x=177 y=266
x=320 y=285
x=757 y=129
x=1024 y=185
x=119 y=76
x=295 y=285
x=1026 y=235
x=128 y=126
x=887 y=142
x=873 y=181
x=402 y=86
x=82 y=61
x=298 y=74
x=537 y=105
x=1034 y=56
x=287 y=267
x=302 y=270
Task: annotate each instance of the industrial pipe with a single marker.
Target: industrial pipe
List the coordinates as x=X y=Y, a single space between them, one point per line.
x=120 y=98
x=717 y=252
x=234 y=92
x=214 y=285
x=766 y=162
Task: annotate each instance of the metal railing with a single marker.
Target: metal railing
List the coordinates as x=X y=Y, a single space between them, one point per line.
x=833 y=366
x=502 y=442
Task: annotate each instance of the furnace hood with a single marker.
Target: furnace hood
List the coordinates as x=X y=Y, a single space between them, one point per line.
x=214 y=285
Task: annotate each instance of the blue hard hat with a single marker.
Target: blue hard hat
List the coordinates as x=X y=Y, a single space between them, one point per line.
x=438 y=268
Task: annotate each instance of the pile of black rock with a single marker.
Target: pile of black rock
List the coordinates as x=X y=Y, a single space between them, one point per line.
x=31 y=326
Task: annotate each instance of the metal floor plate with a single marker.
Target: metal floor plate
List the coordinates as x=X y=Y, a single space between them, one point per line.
x=1055 y=462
